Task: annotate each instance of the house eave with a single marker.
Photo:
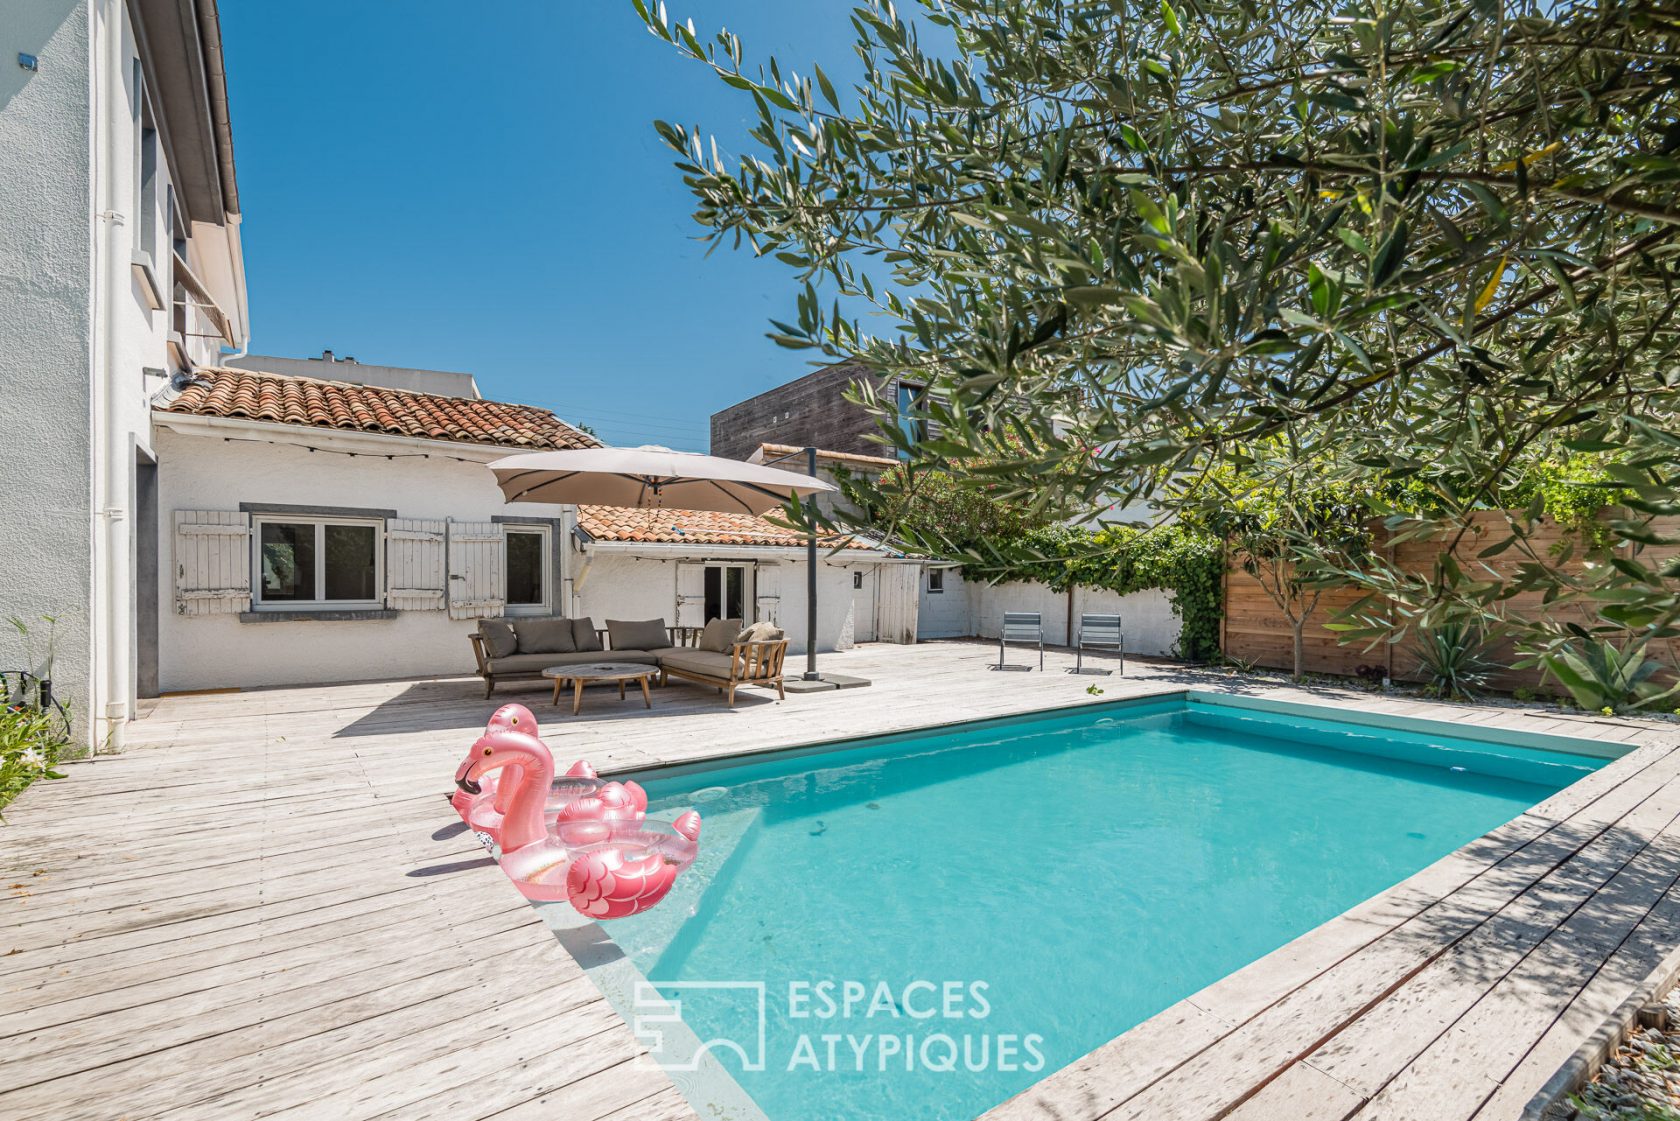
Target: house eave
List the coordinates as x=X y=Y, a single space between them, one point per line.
x=335 y=439
x=664 y=550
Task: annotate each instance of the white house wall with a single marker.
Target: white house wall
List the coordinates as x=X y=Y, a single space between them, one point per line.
x=620 y=586
x=218 y=651
x=970 y=607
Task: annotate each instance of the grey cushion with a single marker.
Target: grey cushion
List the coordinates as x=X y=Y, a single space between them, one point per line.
x=707 y=662
x=536 y=663
x=719 y=635
x=499 y=639
x=762 y=632
x=544 y=635
x=584 y=636
x=645 y=634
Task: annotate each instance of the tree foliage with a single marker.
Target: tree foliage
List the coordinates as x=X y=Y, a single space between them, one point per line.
x=1128 y=241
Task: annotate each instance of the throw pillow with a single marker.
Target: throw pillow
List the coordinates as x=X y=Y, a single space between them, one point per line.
x=645 y=634
x=544 y=635
x=499 y=639
x=583 y=634
x=719 y=635
x=762 y=632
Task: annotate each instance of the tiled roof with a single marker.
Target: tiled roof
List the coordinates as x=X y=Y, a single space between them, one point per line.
x=693 y=527
x=868 y=462
x=318 y=403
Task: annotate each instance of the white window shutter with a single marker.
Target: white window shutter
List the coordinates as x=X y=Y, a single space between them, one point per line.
x=767 y=594
x=414 y=561
x=476 y=589
x=212 y=562
x=691 y=594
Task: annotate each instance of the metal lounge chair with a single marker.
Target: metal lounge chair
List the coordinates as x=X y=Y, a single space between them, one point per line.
x=1021 y=626
x=1099 y=632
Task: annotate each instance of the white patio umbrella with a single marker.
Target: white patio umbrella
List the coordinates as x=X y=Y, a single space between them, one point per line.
x=654 y=477
x=650 y=477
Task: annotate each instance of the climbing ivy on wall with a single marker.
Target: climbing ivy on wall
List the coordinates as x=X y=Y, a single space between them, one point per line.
x=1172 y=558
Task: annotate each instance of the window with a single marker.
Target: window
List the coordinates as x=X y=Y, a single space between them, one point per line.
x=857 y=580
x=725 y=591
x=912 y=399
x=936 y=581
x=318 y=563
x=525 y=568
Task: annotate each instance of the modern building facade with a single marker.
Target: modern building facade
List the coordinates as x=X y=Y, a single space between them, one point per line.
x=811 y=411
x=120 y=267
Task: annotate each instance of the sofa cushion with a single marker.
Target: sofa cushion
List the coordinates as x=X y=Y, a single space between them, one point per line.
x=523 y=663
x=645 y=634
x=719 y=635
x=544 y=635
x=707 y=662
x=583 y=634
x=762 y=632
x=499 y=639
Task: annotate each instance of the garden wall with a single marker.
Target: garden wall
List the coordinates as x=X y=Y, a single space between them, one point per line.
x=1151 y=627
x=1256 y=629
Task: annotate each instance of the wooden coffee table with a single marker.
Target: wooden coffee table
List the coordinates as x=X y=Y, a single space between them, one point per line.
x=591 y=672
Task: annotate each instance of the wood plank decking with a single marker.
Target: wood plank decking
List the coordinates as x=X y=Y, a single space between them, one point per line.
x=266 y=908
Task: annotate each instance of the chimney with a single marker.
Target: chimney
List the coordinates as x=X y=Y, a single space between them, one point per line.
x=327 y=356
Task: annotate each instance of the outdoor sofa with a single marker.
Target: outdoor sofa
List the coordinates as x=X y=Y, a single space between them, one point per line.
x=721 y=654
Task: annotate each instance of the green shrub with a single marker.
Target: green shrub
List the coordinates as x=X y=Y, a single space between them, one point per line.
x=1605 y=676
x=31 y=741
x=1451 y=657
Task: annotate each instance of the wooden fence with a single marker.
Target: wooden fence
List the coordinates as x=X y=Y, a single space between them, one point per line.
x=1254 y=627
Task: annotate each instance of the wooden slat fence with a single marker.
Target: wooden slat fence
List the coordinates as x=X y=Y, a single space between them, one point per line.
x=1256 y=629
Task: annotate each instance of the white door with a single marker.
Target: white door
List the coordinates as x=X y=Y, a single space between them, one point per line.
x=898 y=599
x=691 y=594
x=863 y=603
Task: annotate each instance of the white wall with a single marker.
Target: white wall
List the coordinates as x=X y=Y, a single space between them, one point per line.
x=976 y=608
x=45 y=334
x=214 y=651
x=619 y=586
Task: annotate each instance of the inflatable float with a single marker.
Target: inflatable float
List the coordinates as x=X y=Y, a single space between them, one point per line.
x=575 y=837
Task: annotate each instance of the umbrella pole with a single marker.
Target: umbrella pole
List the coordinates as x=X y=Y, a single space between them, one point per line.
x=811 y=673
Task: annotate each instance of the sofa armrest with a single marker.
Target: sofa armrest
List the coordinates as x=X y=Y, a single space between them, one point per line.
x=478 y=653
x=757 y=661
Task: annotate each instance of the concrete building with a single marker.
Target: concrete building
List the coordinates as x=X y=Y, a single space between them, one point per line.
x=120 y=266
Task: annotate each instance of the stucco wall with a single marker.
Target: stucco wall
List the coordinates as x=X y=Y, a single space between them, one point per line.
x=214 y=651
x=1150 y=625
x=628 y=587
x=45 y=566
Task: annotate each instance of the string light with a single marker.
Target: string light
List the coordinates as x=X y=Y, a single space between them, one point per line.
x=364 y=455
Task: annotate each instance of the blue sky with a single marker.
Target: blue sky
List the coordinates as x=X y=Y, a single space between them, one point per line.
x=478 y=187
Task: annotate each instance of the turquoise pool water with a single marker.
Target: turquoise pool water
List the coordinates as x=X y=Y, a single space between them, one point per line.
x=1002 y=898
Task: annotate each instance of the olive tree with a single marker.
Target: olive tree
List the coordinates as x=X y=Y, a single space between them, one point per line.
x=1125 y=240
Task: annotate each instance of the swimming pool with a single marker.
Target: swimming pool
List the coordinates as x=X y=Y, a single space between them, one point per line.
x=922 y=925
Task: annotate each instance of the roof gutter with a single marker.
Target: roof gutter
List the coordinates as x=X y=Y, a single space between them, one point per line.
x=699 y=550
x=215 y=73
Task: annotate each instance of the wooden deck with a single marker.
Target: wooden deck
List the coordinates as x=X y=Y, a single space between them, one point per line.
x=265 y=907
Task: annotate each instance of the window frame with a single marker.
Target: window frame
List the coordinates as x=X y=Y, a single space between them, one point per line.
x=319 y=603
x=936 y=581
x=545 y=568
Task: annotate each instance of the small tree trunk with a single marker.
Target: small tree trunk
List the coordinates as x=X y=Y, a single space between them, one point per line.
x=1298 y=626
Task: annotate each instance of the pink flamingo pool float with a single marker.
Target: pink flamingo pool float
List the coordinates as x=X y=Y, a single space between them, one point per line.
x=484 y=811
x=601 y=854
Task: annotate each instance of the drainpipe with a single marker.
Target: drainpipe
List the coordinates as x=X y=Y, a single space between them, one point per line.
x=104 y=704
x=811 y=673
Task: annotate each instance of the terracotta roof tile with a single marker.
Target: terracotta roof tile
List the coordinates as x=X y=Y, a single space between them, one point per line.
x=317 y=403
x=693 y=527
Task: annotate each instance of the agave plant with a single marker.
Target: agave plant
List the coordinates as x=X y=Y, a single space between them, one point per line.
x=1607 y=677
x=1451 y=657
